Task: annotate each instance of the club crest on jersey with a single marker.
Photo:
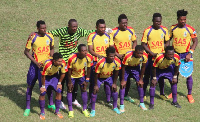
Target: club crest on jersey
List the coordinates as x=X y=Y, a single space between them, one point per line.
x=113 y=67
x=162 y=36
x=47 y=42
x=185 y=34
x=65 y=67
x=106 y=41
x=141 y=60
x=85 y=64
x=129 y=36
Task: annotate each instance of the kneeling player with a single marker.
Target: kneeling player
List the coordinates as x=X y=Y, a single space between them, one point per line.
x=76 y=65
x=131 y=68
x=50 y=78
x=165 y=66
x=104 y=74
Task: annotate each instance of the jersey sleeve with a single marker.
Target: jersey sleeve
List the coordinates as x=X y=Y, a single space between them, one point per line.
x=58 y=32
x=111 y=40
x=177 y=59
x=89 y=60
x=89 y=39
x=166 y=35
x=170 y=32
x=64 y=68
x=46 y=68
x=126 y=59
x=157 y=61
x=71 y=60
x=193 y=33
x=144 y=37
x=145 y=56
x=98 y=66
x=29 y=42
x=133 y=38
x=118 y=62
x=85 y=33
x=52 y=42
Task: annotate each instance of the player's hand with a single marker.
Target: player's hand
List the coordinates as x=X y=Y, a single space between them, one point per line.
x=108 y=30
x=59 y=86
x=96 y=89
x=123 y=84
x=154 y=55
x=140 y=83
x=120 y=56
x=153 y=82
x=188 y=56
x=70 y=87
x=174 y=80
x=114 y=87
x=42 y=90
x=84 y=85
x=31 y=35
x=39 y=65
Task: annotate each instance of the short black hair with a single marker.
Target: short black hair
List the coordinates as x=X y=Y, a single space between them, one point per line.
x=40 y=22
x=110 y=50
x=80 y=46
x=156 y=15
x=100 y=21
x=169 y=48
x=122 y=16
x=181 y=13
x=71 y=20
x=57 y=56
x=139 y=48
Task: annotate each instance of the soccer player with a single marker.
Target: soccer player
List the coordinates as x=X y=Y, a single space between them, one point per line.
x=154 y=39
x=182 y=35
x=50 y=78
x=131 y=68
x=124 y=38
x=42 y=45
x=68 y=40
x=98 y=41
x=106 y=71
x=76 y=73
x=165 y=66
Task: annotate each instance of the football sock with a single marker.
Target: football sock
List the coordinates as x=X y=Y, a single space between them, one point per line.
x=107 y=91
x=121 y=94
x=84 y=98
x=115 y=97
x=189 y=84
x=42 y=105
x=28 y=97
x=141 y=94
x=174 y=92
x=152 y=94
x=69 y=100
x=57 y=103
x=93 y=100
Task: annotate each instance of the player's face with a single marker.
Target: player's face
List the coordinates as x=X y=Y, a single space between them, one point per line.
x=182 y=21
x=169 y=54
x=123 y=24
x=110 y=57
x=58 y=62
x=139 y=54
x=101 y=29
x=73 y=27
x=42 y=29
x=83 y=51
x=157 y=22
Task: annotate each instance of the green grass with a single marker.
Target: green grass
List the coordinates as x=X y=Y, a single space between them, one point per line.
x=18 y=19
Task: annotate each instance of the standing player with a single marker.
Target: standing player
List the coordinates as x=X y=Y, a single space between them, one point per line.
x=106 y=71
x=68 y=40
x=182 y=35
x=124 y=40
x=155 y=37
x=42 y=45
x=165 y=66
x=98 y=41
x=50 y=78
x=76 y=65
x=131 y=68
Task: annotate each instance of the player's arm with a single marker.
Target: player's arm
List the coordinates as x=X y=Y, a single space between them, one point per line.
x=140 y=83
x=148 y=50
x=70 y=84
x=114 y=85
x=91 y=50
x=123 y=82
x=176 y=69
x=154 y=80
x=96 y=88
x=58 y=32
x=85 y=33
x=51 y=50
x=43 y=89
x=28 y=55
x=195 y=42
x=167 y=43
x=134 y=44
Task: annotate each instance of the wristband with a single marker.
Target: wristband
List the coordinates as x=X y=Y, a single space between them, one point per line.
x=87 y=79
x=154 y=78
x=191 y=51
x=43 y=86
x=175 y=76
x=59 y=83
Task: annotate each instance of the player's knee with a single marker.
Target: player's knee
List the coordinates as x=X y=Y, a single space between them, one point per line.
x=43 y=94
